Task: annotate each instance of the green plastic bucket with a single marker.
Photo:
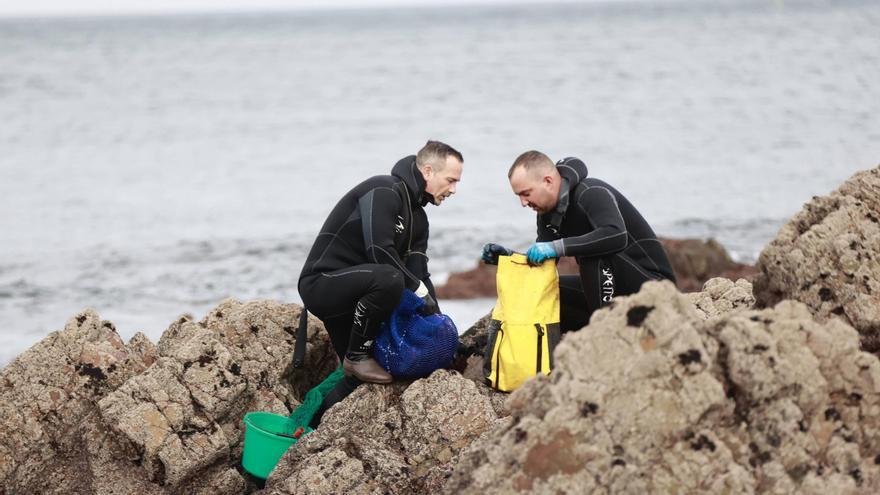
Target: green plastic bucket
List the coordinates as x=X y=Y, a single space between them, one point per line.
x=264 y=441
x=267 y=436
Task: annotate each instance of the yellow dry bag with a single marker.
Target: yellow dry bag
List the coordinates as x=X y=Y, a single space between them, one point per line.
x=525 y=322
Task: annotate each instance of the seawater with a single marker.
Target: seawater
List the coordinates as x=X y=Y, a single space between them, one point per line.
x=152 y=166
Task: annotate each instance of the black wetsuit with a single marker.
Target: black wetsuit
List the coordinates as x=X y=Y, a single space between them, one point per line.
x=371 y=246
x=615 y=248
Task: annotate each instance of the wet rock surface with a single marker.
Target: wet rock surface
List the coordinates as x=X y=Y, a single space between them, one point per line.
x=828 y=256
x=653 y=397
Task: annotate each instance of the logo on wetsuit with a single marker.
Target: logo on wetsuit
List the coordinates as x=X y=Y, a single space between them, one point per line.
x=398 y=228
x=359 y=311
x=607 y=285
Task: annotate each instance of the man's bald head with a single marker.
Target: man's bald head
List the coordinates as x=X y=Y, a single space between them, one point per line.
x=533 y=162
x=535 y=180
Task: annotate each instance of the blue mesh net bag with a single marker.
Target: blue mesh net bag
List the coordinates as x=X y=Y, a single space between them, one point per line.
x=410 y=345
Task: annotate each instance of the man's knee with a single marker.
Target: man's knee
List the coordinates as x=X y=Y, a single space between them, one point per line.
x=388 y=281
x=385 y=290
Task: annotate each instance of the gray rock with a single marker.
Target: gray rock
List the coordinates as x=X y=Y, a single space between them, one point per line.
x=828 y=257
x=83 y=412
x=49 y=391
x=401 y=438
x=184 y=414
x=718 y=296
x=652 y=397
x=662 y=392
x=721 y=296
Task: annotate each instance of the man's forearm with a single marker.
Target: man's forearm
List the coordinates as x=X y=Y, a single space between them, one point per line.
x=599 y=242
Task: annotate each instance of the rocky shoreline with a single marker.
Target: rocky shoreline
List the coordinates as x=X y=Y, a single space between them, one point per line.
x=724 y=390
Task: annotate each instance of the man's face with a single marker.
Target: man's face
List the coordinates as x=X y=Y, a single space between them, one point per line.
x=536 y=189
x=441 y=184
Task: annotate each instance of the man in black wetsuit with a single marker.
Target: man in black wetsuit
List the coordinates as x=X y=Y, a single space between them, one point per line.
x=370 y=248
x=580 y=216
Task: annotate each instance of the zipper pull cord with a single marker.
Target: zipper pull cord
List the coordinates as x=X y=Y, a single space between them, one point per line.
x=540 y=357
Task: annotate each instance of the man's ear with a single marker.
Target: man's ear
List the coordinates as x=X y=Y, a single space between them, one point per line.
x=427 y=171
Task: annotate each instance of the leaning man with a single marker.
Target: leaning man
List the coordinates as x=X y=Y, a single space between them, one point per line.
x=370 y=248
x=586 y=218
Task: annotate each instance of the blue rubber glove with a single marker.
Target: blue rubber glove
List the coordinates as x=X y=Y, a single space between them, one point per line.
x=492 y=251
x=540 y=251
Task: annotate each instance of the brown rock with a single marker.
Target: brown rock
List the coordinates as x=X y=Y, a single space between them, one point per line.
x=828 y=257
x=478 y=282
x=473 y=341
x=183 y=415
x=695 y=261
x=114 y=470
x=400 y=438
x=83 y=412
x=142 y=350
x=48 y=392
x=670 y=402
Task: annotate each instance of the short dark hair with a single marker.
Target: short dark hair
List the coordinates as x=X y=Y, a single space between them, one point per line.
x=436 y=153
x=530 y=160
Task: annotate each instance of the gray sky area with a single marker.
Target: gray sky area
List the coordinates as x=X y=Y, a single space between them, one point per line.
x=17 y=8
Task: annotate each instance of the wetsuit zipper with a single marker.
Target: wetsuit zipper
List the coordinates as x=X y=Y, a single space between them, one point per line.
x=540 y=346
x=409 y=209
x=497 y=350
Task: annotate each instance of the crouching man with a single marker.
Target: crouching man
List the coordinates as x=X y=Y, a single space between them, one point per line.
x=369 y=249
x=584 y=217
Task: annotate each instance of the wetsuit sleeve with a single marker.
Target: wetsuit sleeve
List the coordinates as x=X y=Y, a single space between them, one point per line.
x=379 y=209
x=609 y=230
x=417 y=258
x=417 y=263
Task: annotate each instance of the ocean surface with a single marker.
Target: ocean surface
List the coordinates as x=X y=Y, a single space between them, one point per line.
x=153 y=166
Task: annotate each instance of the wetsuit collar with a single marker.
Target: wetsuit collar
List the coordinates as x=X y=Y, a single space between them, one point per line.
x=572 y=171
x=562 y=202
x=554 y=218
x=405 y=169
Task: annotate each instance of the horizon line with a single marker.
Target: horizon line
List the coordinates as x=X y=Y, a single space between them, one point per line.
x=345 y=5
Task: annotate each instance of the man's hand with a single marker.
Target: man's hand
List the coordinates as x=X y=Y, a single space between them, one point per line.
x=491 y=252
x=540 y=252
x=430 y=307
